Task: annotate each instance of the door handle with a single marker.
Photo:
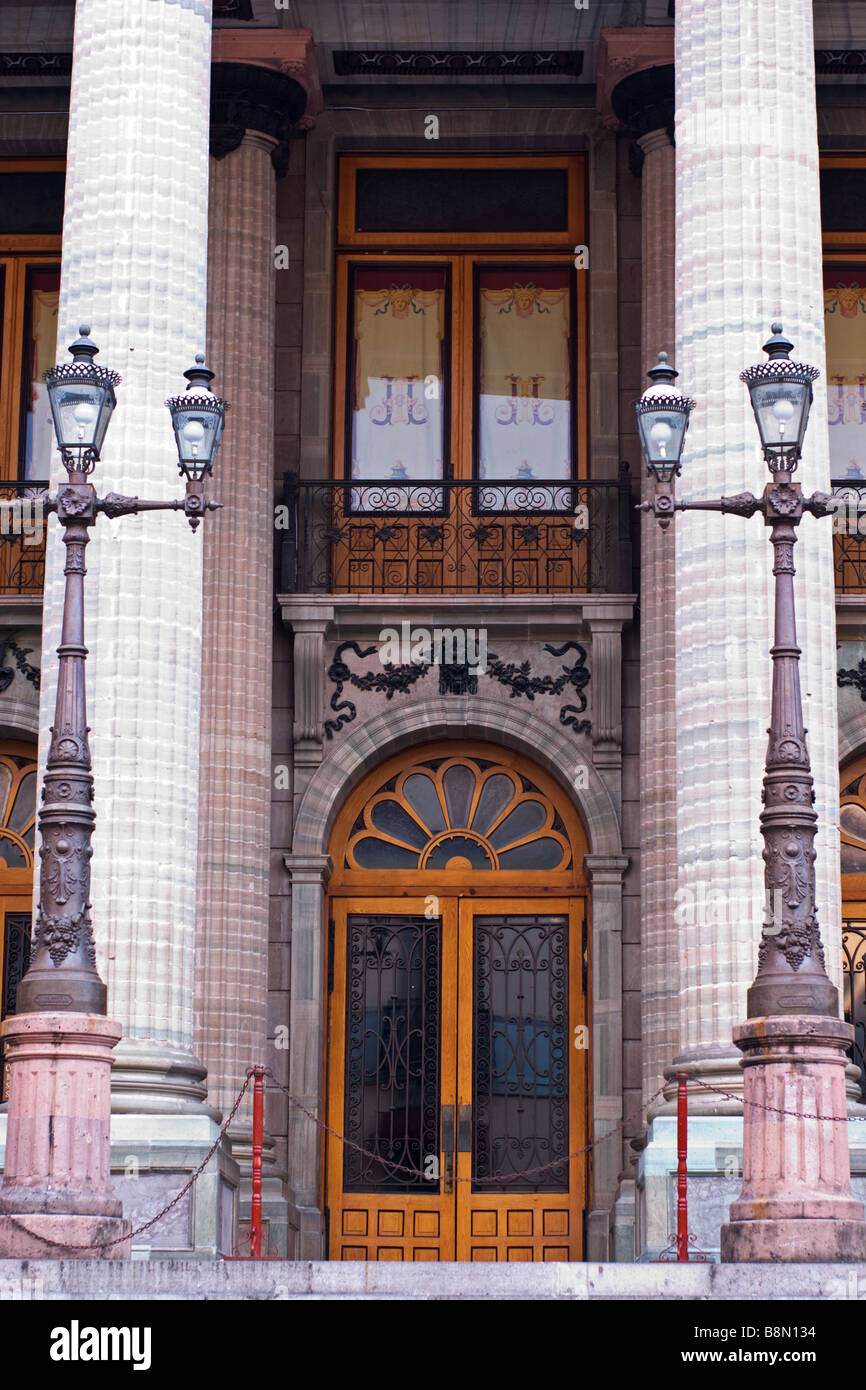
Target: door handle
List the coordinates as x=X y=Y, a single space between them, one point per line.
x=448 y=1149
x=464 y=1129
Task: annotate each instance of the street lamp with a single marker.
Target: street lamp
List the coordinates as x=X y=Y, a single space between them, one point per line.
x=796 y=1202
x=662 y=420
x=62 y=977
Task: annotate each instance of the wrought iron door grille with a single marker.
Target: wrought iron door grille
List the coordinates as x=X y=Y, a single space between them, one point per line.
x=520 y=1052
x=16 y=958
x=393 y=1035
x=457 y=536
x=854 y=990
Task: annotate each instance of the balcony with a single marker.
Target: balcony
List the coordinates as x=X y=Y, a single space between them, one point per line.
x=456 y=537
x=22 y=538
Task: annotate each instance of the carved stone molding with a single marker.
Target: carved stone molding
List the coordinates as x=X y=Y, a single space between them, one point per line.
x=309 y=683
x=35 y=64
x=427 y=63
x=607 y=689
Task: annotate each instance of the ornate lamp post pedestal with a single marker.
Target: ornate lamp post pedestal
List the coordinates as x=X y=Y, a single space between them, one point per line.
x=796 y=1203
x=56 y=1198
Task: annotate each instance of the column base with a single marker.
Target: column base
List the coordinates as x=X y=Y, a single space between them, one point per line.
x=34 y=1236
x=806 y=1240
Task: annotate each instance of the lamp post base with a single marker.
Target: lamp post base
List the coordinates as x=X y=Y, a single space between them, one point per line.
x=806 y=1240
x=56 y=1198
x=31 y=1236
x=796 y=1204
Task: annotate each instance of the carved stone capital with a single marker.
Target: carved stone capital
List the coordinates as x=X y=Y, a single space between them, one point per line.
x=288 y=53
x=634 y=82
x=249 y=97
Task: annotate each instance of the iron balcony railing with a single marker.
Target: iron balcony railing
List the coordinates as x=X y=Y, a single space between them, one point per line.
x=23 y=523
x=456 y=537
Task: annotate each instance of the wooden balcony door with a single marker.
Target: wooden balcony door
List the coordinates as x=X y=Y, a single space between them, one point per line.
x=455 y=1081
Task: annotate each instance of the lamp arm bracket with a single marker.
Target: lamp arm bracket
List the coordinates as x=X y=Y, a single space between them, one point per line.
x=740 y=504
x=115 y=504
x=821 y=504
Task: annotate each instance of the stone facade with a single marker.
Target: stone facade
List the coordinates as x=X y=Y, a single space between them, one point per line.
x=223 y=749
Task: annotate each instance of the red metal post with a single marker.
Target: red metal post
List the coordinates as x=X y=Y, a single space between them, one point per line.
x=258 y=1137
x=682 y=1169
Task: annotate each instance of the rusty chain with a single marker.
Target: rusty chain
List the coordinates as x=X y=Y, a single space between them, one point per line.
x=402 y=1167
x=107 y=1244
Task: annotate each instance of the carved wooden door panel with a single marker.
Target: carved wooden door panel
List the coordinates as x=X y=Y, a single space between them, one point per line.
x=455 y=1081
x=392 y=1076
x=521 y=1084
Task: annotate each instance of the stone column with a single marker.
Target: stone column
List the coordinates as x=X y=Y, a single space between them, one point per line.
x=310 y=874
x=748 y=252
x=636 y=95
x=134 y=267
x=606 y=875
x=255 y=109
x=659 y=946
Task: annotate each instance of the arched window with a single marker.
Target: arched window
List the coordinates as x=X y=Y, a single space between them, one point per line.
x=458 y=815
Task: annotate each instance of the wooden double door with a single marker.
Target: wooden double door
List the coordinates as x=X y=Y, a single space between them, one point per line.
x=457 y=1066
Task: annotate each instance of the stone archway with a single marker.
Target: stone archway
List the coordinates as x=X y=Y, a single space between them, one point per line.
x=309 y=865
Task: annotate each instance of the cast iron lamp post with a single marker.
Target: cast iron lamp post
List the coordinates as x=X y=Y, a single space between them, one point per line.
x=796 y=1202
x=62 y=976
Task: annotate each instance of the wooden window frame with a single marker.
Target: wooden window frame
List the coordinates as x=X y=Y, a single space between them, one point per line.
x=574 y=165
x=461 y=350
x=844 y=246
x=17 y=255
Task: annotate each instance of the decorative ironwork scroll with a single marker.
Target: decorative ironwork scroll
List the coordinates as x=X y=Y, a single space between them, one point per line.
x=393 y=1035
x=459 y=679
x=520 y=1052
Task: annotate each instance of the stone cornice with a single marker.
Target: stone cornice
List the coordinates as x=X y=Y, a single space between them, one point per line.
x=543 y=616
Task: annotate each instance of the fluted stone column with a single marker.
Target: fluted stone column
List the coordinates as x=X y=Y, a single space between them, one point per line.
x=748 y=252
x=659 y=949
x=134 y=268
x=254 y=110
x=234 y=822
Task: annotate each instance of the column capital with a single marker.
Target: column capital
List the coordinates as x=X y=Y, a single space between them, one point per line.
x=309 y=868
x=605 y=868
x=635 y=84
x=287 y=51
x=264 y=82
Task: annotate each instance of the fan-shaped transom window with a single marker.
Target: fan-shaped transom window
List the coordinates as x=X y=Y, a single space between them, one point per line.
x=459 y=813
